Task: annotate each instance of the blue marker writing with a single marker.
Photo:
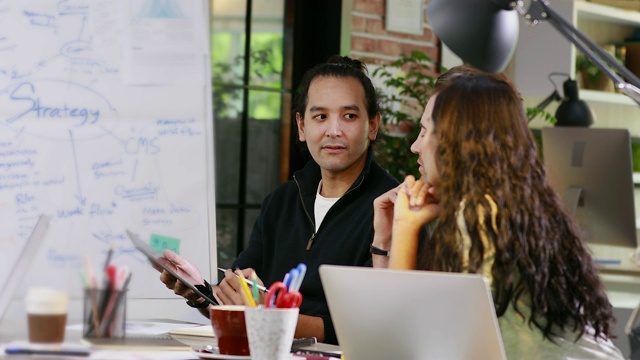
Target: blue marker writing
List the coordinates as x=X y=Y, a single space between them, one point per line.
x=26 y=94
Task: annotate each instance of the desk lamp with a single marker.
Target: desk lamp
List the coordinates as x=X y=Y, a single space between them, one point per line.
x=572 y=111
x=484 y=33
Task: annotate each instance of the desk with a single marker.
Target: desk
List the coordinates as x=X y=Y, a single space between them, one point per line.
x=622 y=284
x=16 y=330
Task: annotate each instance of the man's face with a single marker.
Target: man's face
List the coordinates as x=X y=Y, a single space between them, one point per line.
x=336 y=125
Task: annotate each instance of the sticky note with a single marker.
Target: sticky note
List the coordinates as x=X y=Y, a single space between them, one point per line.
x=161 y=242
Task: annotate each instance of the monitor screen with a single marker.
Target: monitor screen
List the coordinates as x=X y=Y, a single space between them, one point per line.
x=592 y=171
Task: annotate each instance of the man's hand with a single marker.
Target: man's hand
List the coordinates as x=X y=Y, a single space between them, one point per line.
x=383 y=217
x=185 y=269
x=228 y=291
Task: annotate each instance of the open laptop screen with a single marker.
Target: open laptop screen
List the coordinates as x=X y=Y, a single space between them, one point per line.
x=22 y=263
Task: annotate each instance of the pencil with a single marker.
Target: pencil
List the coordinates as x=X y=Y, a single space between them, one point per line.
x=254 y=279
x=91 y=292
x=246 y=294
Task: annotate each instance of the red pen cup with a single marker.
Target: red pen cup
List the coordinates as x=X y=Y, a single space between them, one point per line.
x=228 y=322
x=271 y=332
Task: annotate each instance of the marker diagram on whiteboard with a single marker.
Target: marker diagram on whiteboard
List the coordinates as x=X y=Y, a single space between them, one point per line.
x=105 y=124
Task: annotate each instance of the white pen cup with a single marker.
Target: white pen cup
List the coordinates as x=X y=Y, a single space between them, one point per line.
x=46 y=314
x=270 y=332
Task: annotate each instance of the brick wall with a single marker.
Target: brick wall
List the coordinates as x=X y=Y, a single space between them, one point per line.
x=371 y=43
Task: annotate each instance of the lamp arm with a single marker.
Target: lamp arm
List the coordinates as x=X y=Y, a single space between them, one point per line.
x=603 y=60
x=579 y=39
x=554 y=96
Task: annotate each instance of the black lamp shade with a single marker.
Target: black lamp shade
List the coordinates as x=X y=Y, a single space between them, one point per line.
x=483 y=33
x=572 y=111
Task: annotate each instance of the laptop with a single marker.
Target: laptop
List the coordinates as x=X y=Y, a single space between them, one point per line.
x=394 y=314
x=21 y=265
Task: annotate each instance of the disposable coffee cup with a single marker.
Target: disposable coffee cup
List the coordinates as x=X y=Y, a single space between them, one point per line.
x=46 y=314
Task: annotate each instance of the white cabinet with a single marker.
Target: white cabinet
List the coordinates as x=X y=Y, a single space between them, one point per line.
x=542 y=50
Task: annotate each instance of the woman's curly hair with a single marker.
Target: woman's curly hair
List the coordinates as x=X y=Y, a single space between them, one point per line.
x=486 y=148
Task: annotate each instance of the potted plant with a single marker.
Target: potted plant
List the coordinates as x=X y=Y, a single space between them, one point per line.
x=591 y=76
x=408 y=84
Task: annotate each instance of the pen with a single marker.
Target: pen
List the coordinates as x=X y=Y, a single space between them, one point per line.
x=249 y=282
x=61 y=352
x=319 y=353
x=608 y=261
x=108 y=259
x=302 y=270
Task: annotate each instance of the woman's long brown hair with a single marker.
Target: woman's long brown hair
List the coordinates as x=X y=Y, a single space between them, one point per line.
x=486 y=148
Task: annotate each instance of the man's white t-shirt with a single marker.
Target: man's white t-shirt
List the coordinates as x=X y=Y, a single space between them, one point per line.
x=322 y=206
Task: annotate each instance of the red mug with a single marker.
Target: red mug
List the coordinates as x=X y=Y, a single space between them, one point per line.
x=230 y=329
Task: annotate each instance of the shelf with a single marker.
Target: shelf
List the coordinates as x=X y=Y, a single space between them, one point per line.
x=601 y=23
x=606 y=97
x=598 y=12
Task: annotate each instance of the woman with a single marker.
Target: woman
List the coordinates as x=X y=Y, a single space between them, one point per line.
x=493 y=212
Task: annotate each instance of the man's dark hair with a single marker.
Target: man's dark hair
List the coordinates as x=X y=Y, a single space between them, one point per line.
x=339 y=67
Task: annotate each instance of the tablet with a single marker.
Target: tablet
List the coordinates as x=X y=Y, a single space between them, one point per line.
x=153 y=256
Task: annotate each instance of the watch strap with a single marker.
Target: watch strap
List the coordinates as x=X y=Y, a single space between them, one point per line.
x=206 y=290
x=377 y=251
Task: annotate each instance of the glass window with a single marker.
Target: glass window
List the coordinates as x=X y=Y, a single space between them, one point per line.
x=247 y=114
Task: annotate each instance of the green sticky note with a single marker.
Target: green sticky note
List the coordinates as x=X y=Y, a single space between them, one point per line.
x=161 y=242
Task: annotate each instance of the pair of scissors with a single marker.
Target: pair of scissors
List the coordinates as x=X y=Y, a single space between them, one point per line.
x=280 y=296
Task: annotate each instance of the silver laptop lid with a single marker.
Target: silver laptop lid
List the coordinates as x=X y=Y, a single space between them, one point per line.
x=391 y=314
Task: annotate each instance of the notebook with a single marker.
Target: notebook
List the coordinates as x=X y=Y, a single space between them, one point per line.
x=392 y=314
x=21 y=266
x=195 y=336
x=150 y=334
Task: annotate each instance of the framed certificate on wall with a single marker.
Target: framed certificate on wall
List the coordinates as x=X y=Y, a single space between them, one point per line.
x=404 y=16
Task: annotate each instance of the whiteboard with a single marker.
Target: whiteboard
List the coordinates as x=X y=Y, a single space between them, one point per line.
x=105 y=125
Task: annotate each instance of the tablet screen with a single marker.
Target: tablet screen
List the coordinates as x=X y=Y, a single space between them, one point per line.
x=153 y=256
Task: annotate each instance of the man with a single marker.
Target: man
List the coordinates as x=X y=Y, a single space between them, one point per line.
x=324 y=215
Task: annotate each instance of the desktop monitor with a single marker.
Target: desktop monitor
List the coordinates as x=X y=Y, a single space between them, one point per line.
x=592 y=171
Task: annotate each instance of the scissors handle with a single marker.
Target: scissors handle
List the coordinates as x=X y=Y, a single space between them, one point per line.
x=280 y=297
x=289 y=300
x=275 y=290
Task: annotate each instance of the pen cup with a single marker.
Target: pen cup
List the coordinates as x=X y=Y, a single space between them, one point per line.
x=105 y=313
x=270 y=332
